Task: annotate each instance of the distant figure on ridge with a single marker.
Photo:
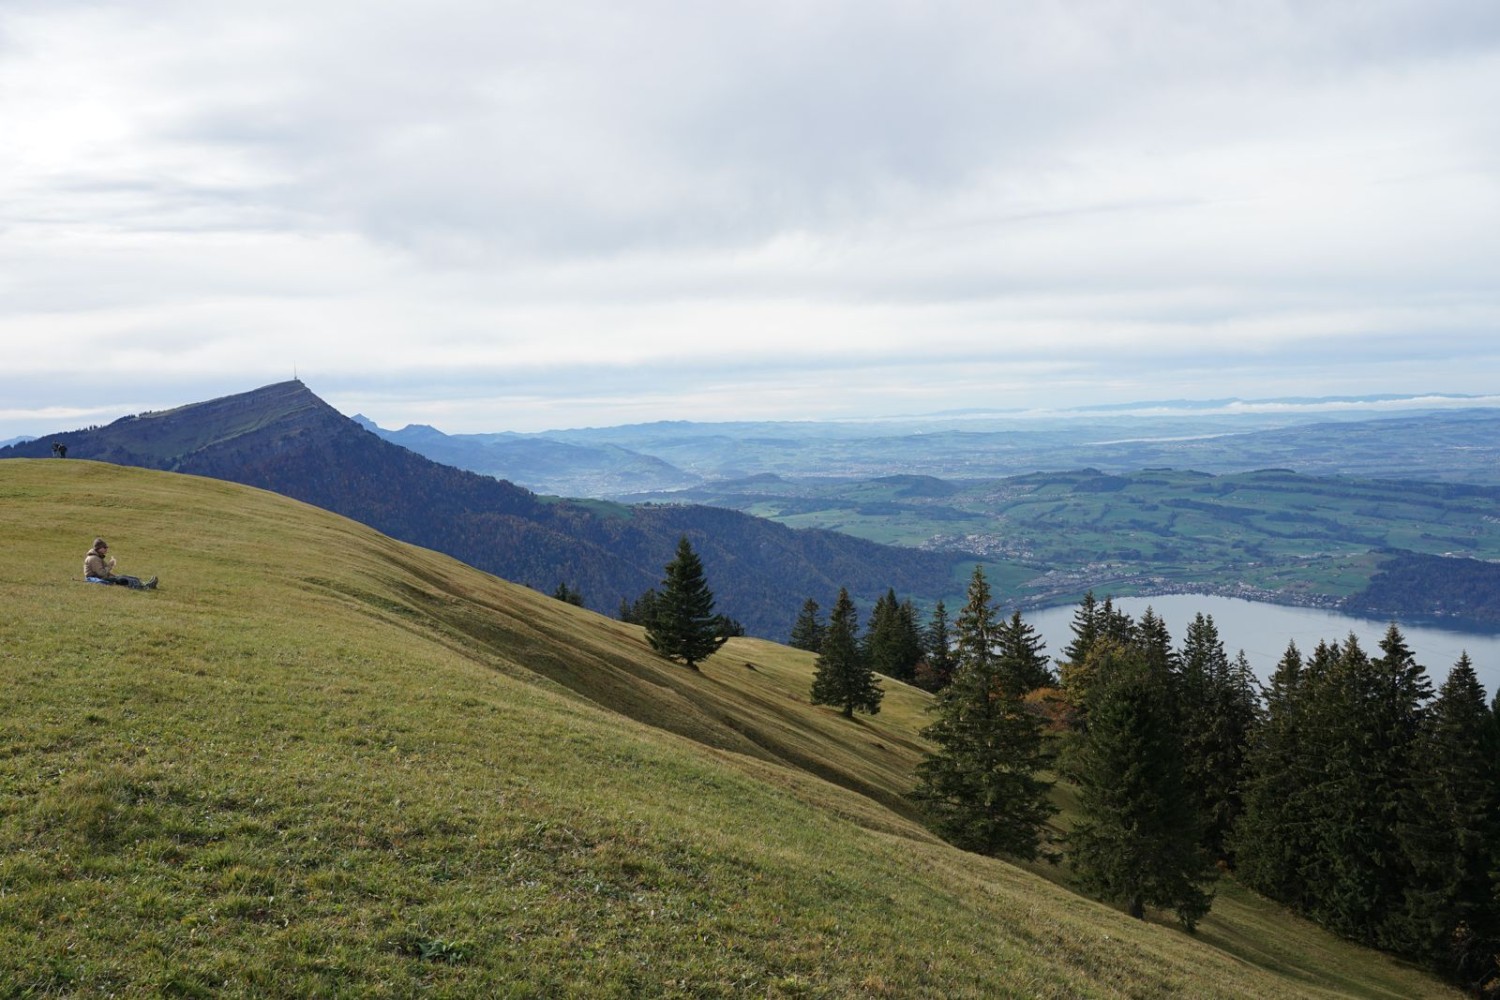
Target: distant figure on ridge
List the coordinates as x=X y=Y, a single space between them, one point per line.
x=59 y=449
x=99 y=567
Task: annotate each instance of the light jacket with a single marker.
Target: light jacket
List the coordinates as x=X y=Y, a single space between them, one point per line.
x=94 y=565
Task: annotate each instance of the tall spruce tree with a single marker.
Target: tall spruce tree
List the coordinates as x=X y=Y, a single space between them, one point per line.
x=1022 y=656
x=1367 y=721
x=841 y=676
x=1100 y=634
x=1085 y=628
x=980 y=789
x=1217 y=705
x=807 y=630
x=1155 y=644
x=642 y=609
x=877 y=633
x=1137 y=839
x=683 y=625
x=893 y=646
x=1270 y=840
x=1451 y=834
x=1116 y=625
x=909 y=646
x=938 y=658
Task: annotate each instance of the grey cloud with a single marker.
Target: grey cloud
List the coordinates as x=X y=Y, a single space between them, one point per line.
x=1246 y=175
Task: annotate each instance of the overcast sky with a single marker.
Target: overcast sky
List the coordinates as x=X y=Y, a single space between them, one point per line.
x=492 y=215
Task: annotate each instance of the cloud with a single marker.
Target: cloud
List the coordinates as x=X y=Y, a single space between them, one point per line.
x=574 y=202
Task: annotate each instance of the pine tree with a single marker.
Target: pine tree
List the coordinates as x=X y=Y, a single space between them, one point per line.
x=1320 y=716
x=1115 y=625
x=841 y=677
x=1100 y=634
x=1450 y=832
x=908 y=641
x=1217 y=705
x=980 y=789
x=892 y=644
x=1085 y=630
x=683 y=625
x=1022 y=656
x=1270 y=838
x=1368 y=723
x=1155 y=644
x=1137 y=841
x=642 y=610
x=878 y=632
x=939 y=660
x=807 y=631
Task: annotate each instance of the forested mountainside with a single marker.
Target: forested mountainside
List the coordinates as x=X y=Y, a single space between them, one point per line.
x=1457 y=588
x=284 y=438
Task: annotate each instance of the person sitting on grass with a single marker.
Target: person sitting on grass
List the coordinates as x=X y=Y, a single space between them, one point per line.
x=99 y=567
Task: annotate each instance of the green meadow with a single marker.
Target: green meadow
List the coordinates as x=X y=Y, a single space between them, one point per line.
x=319 y=762
x=1050 y=536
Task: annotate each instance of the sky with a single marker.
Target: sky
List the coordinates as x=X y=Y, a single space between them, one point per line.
x=488 y=215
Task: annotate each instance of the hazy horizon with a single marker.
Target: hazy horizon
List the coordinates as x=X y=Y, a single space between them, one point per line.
x=1356 y=407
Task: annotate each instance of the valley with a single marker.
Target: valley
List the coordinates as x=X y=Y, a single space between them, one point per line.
x=1270 y=535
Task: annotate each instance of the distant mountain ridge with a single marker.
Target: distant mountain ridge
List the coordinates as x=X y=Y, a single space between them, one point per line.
x=284 y=438
x=1457 y=442
x=539 y=462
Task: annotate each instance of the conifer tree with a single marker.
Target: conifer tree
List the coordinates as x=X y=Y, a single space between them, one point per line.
x=981 y=788
x=1115 y=625
x=892 y=644
x=1451 y=834
x=878 y=633
x=1367 y=719
x=683 y=625
x=937 y=647
x=568 y=595
x=841 y=677
x=1320 y=715
x=1085 y=628
x=908 y=641
x=1137 y=841
x=1270 y=839
x=642 y=609
x=1217 y=704
x=1155 y=644
x=1022 y=656
x=1100 y=634
x=807 y=631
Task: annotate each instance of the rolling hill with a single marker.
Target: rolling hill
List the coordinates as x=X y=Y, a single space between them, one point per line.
x=284 y=438
x=322 y=762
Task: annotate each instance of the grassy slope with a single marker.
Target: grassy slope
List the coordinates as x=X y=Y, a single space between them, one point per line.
x=320 y=762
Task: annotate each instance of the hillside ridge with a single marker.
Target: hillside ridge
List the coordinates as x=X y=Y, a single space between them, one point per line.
x=322 y=762
x=285 y=439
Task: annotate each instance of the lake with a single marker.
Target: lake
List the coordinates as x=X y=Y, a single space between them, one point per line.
x=1263 y=630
